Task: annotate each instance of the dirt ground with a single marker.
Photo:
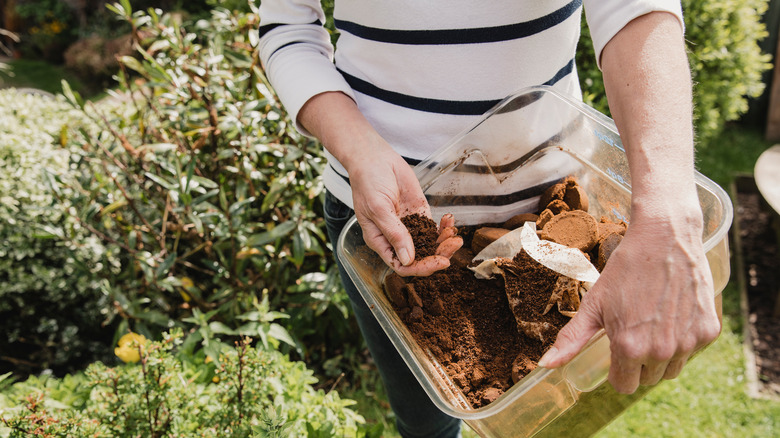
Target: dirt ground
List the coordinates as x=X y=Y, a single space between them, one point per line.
x=761 y=260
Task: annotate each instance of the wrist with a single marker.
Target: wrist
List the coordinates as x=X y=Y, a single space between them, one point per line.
x=681 y=213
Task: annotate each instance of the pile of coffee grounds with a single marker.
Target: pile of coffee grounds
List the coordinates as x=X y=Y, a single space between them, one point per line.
x=468 y=324
x=424 y=234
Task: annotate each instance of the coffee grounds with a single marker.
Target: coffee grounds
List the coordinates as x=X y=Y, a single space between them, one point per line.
x=424 y=233
x=531 y=283
x=468 y=324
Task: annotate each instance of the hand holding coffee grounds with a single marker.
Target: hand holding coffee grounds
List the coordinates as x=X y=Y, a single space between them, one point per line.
x=433 y=247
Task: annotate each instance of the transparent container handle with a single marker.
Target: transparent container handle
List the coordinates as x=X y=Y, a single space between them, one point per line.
x=590 y=367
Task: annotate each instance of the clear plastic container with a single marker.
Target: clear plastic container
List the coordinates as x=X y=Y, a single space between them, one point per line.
x=489 y=173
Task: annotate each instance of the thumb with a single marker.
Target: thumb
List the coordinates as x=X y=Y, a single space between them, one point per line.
x=572 y=337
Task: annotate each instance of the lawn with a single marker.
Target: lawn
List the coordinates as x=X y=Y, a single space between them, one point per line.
x=30 y=73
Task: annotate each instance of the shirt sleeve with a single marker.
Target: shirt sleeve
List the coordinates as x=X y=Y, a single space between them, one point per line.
x=296 y=53
x=607 y=17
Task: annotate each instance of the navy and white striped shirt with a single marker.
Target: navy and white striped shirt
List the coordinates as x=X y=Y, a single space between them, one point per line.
x=423 y=71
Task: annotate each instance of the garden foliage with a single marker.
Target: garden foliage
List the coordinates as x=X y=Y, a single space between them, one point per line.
x=726 y=61
x=207 y=194
x=51 y=301
x=244 y=392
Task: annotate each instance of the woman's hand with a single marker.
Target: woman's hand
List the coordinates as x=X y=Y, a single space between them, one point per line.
x=384 y=187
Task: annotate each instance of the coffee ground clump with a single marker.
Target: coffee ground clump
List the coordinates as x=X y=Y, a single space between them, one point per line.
x=424 y=234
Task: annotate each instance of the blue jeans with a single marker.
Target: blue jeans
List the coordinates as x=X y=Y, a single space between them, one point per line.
x=416 y=415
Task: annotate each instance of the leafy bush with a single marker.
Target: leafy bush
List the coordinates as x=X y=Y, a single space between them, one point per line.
x=51 y=307
x=207 y=194
x=244 y=392
x=726 y=61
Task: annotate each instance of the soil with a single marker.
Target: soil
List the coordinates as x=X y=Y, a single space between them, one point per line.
x=759 y=245
x=475 y=328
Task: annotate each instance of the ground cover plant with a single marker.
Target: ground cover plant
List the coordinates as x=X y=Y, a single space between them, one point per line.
x=51 y=303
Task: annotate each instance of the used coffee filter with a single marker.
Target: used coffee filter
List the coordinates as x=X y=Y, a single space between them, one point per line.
x=577 y=274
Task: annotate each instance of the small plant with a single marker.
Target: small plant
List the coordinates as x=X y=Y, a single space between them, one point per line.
x=244 y=392
x=50 y=28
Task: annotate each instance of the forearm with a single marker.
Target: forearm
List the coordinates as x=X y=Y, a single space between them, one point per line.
x=336 y=121
x=648 y=84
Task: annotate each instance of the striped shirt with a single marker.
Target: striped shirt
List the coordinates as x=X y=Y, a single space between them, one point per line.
x=423 y=71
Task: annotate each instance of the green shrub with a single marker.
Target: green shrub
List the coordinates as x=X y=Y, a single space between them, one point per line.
x=209 y=196
x=51 y=305
x=726 y=61
x=244 y=392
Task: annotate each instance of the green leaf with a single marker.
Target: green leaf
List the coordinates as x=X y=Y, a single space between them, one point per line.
x=161 y=181
x=165 y=265
x=159 y=45
x=277 y=232
x=133 y=64
x=298 y=250
x=280 y=333
x=72 y=96
x=157 y=147
x=116 y=205
x=220 y=328
x=202 y=198
x=205 y=182
x=154 y=316
x=277 y=188
x=238 y=206
x=239 y=60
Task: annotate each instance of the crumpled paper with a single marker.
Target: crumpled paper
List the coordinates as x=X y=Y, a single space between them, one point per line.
x=577 y=273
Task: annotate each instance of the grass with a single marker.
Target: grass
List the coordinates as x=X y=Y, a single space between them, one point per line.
x=30 y=73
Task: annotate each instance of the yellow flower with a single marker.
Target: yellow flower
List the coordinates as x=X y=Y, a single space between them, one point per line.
x=128 y=347
x=186 y=283
x=56 y=27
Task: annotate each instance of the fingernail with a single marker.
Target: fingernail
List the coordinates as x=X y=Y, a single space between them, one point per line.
x=403 y=256
x=548 y=357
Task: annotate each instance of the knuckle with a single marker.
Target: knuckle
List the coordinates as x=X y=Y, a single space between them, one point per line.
x=663 y=351
x=711 y=331
x=629 y=347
